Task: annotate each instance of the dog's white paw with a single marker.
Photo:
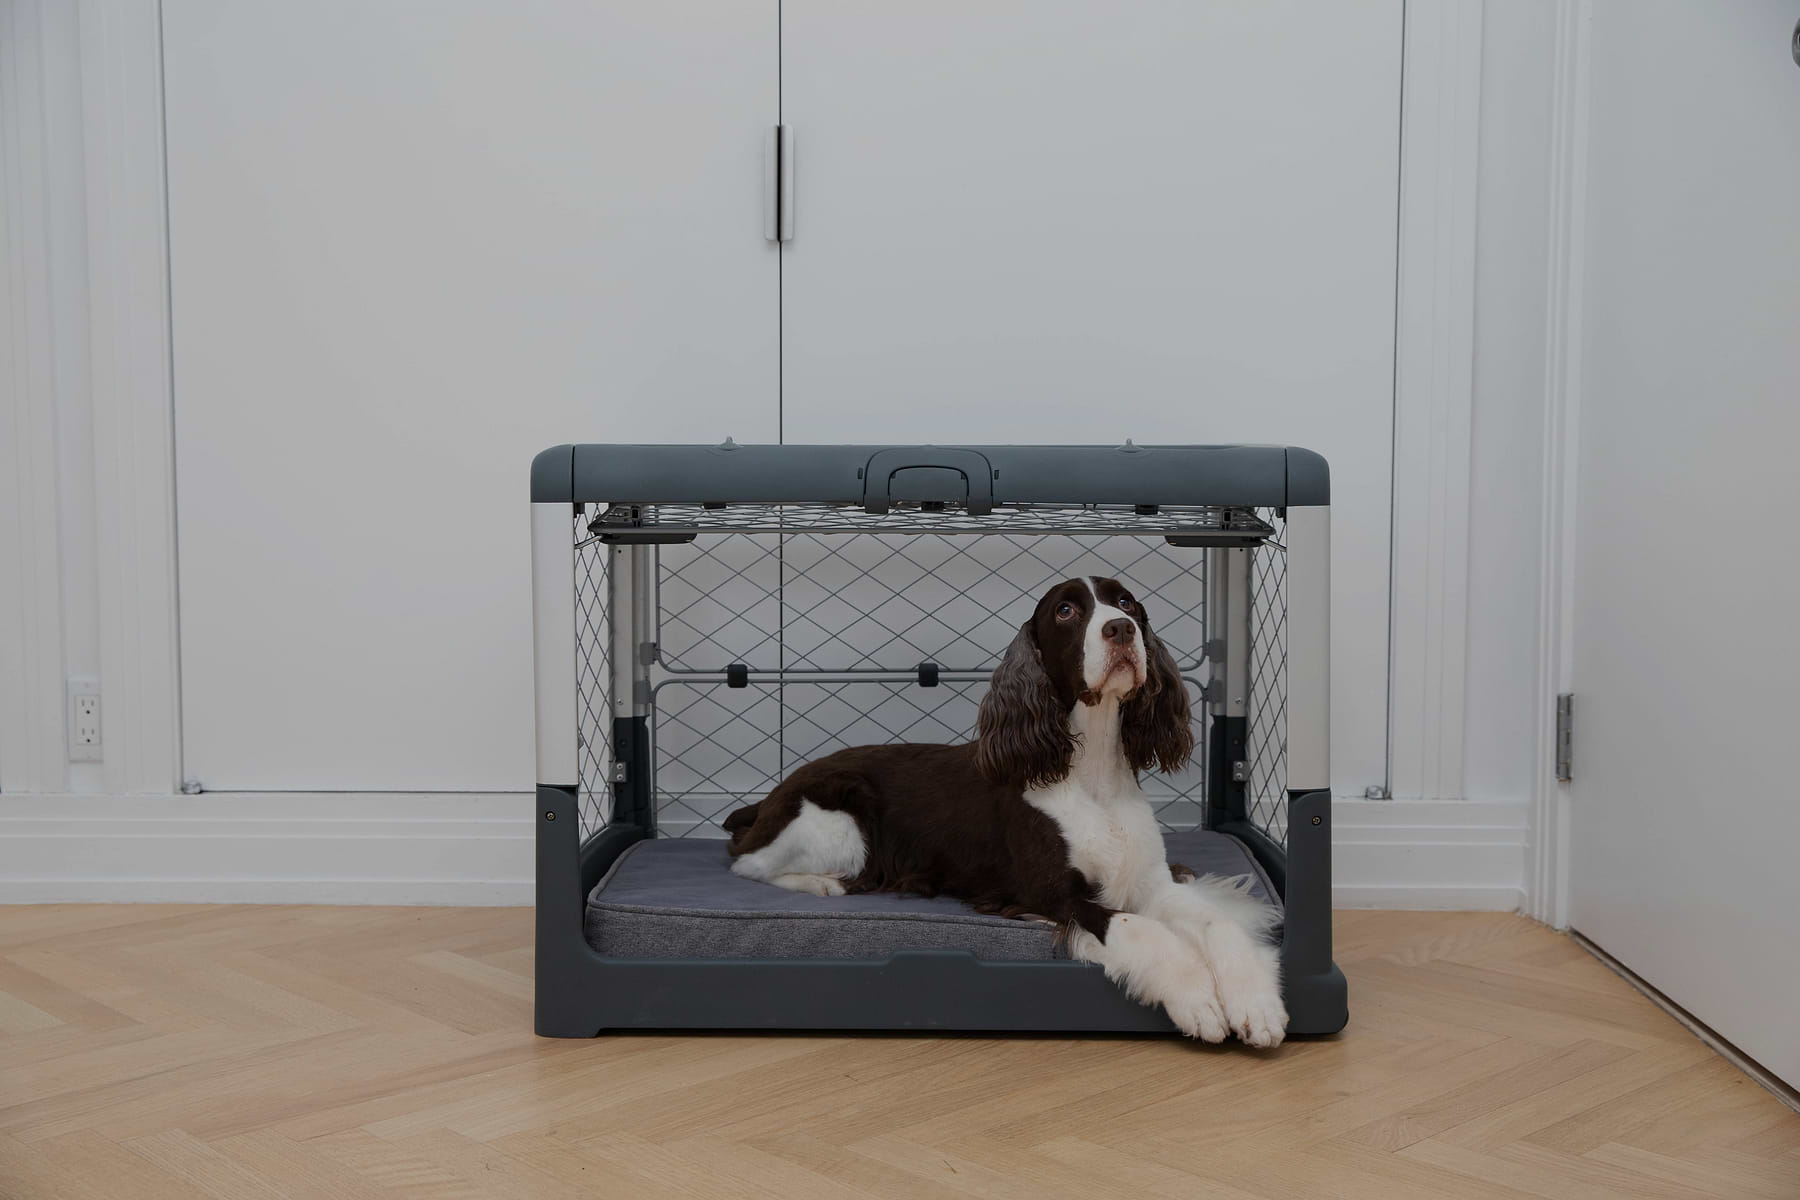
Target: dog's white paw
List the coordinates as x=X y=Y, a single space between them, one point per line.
x=818 y=885
x=1197 y=1013
x=1248 y=973
x=1258 y=1018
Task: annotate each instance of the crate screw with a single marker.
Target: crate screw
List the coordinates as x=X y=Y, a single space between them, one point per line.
x=550 y=815
x=191 y=787
x=1318 y=820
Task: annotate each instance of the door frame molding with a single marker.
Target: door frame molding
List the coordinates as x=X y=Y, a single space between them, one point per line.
x=1434 y=392
x=133 y=391
x=1547 y=863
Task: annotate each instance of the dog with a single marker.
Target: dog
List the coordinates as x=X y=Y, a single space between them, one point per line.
x=1042 y=815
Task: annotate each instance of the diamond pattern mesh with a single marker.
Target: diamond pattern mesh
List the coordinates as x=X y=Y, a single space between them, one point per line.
x=718 y=747
x=861 y=602
x=1267 y=798
x=807 y=602
x=593 y=651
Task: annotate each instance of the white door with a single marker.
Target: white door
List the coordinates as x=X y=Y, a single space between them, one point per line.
x=1062 y=221
x=412 y=244
x=1685 y=823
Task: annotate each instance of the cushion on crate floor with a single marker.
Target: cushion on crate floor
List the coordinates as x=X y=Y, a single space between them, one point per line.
x=677 y=898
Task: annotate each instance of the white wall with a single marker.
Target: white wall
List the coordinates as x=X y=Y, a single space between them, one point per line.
x=75 y=73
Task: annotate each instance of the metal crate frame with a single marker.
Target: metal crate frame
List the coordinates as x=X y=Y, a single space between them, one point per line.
x=606 y=548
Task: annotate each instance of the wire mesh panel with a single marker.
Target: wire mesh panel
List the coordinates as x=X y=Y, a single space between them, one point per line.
x=718 y=601
x=593 y=672
x=808 y=603
x=825 y=628
x=883 y=602
x=717 y=747
x=1267 y=740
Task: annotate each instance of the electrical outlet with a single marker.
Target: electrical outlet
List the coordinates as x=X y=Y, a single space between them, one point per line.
x=84 y=720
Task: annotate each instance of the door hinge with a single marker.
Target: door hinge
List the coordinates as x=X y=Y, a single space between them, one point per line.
x=778 y=184
x=1565 y=737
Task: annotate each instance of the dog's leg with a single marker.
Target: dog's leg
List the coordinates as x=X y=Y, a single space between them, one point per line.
x=815 y=852
x=1229 y=927
x=1153 y=964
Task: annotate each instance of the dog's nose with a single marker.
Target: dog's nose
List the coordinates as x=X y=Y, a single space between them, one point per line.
x=1119 y=629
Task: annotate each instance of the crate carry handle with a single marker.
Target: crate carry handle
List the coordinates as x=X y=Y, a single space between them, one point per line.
x=934 y=476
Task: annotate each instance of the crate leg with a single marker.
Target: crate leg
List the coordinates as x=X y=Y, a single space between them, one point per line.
x=1313 y=986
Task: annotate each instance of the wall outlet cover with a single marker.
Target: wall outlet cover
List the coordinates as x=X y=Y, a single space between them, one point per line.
x=84 y=719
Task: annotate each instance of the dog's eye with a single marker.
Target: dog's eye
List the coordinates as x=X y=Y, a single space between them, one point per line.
x=1065 y=611
x=1127 y=604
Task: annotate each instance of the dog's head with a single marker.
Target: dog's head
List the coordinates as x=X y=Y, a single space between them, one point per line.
x=1088 y=642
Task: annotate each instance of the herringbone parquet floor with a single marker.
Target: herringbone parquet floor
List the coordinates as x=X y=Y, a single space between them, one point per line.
x=239 y=1052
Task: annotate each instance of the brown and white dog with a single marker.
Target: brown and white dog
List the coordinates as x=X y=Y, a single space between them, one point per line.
x=1042 y=814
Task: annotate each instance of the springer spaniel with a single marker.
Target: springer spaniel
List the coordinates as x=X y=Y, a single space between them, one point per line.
x=1042 y=814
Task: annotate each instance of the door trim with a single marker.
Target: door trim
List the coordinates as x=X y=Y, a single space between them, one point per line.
x=1547 y=863
x=1434 y=361
x=133 y=392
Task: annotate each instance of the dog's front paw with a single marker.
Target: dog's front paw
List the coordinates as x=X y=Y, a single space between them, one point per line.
x=1249 y=981
x=1258 y=1018
x=1196 y=1012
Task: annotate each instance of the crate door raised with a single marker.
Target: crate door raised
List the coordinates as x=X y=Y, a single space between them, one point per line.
x=1059 y=221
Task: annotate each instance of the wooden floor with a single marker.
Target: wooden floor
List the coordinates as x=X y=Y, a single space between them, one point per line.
x=151 y=1052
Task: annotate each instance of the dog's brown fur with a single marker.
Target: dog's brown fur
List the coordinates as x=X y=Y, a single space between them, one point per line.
x=953 y=820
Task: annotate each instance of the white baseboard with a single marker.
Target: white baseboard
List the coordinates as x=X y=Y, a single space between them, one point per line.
x=1430 y=854
x=268 y=848
x=478 y=849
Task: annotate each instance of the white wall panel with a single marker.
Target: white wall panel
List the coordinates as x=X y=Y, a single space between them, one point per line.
x=1069 y=222
x=411 y=245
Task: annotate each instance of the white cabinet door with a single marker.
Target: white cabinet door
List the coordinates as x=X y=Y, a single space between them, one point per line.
x=1063 y=221
x=412 y=244
x=1684 y=821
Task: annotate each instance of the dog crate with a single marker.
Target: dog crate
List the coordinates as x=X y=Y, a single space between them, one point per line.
x=708 y=618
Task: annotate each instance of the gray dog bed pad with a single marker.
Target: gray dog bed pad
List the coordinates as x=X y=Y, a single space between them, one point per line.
x=677 y=898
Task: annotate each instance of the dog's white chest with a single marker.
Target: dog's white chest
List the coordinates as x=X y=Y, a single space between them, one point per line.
x=1111 y=834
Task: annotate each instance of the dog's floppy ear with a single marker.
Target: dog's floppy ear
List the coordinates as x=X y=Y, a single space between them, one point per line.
x=1157 y=727
x=1023 y=731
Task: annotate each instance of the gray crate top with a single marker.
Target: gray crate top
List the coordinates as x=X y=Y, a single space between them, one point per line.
x=970 y=477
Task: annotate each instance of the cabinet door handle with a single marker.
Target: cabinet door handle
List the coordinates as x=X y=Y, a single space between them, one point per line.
x=778 y=184
x=772 y=183
x=787 y=182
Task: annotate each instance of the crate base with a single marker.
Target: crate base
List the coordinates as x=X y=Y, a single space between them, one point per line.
x=924 y=992
x=581 y=993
